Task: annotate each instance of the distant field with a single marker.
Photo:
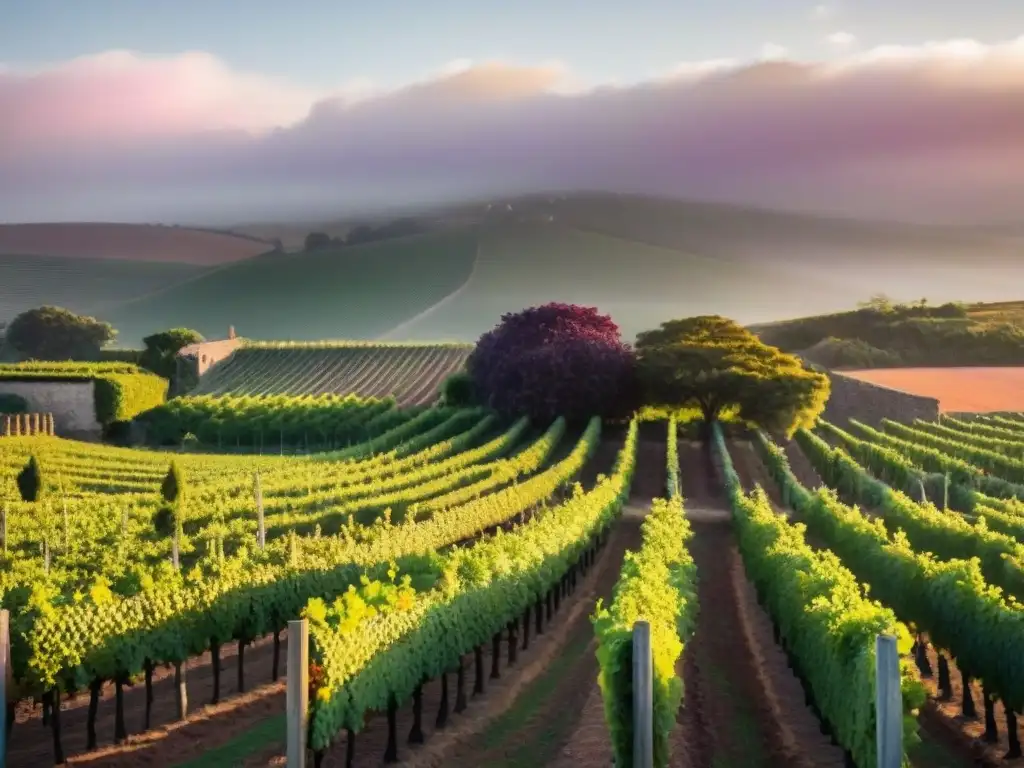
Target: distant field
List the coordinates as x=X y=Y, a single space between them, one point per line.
x=523 y=264
x=643 y=260
x=957 y=389
x=411 y=373
x=81 y=284
x=132 y=242
x=359 y=292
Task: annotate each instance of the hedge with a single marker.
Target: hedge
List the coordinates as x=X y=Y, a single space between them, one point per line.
x=121 y=391
x=11 y=403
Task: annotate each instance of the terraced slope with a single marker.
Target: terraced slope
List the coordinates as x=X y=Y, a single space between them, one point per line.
x=411 y=373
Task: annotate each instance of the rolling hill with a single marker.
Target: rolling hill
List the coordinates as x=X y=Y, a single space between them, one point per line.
x=893 y=335
x=132 y=242
x=82 y=284
x=355 y=292
x=89 y=267
x=643 y=260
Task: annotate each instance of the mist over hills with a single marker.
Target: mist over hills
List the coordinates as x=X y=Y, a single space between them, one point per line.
x=641 y=259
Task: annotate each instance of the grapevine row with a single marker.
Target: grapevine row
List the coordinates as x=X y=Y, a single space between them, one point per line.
x=822 y=617
x=657 y=585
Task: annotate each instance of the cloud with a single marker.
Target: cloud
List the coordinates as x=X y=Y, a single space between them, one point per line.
x=773 y=52
x=930 y=131
x=841 y=39
x=823 y=11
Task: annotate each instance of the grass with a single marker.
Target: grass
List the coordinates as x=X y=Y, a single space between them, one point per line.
x=358 y=292
x=82 y=284
x=234 y=753
x=528 y=263
x=508 y=728
x=744 y=746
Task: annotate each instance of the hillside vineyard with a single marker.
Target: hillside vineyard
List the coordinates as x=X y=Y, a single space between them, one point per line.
x=439 y=552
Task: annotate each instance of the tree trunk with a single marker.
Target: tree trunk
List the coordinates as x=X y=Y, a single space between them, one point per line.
x=945 y=684
x=478 y=681
x=513 y=641
x=460 y=687
x=496 y=656
x=58 y=746
x=1011 y=733
x=120 y=732
x=181 y=689
x=94 y=705
x=991 y=729
x=391 y=750
x=526 y=628
x=442 y=707
x=350 y=748
x=921 y=657
x=967 y=708
x=148 y=669
x=275 y=670
x=215 y=662
x=241 y=666
x=538 y=615
x=416 y=732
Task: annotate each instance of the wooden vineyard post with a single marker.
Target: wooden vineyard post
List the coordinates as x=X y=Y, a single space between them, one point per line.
x=643 y=697
x=5 y=673
x=261 y=530
x=297 y=693
x=888 y=703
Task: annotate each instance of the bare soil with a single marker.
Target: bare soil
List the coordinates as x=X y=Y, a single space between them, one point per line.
x=168 y=742
x=133 y=242
x=742 y=704
x=947 y=740
x=957 y=389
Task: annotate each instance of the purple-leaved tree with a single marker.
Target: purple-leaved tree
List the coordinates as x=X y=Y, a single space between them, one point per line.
x=554 y=360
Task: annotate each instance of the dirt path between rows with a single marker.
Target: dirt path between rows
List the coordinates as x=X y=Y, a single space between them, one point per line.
x=169 y=741
x=558 y=719
x=31 y=744
x=742 y=704
x=940 y=746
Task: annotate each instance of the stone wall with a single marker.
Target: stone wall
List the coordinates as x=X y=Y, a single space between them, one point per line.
x=71 y=403
x=196 y=359
x=870 y=403
x=208 y=353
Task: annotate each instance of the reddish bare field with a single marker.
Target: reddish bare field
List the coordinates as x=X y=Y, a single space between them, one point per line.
x=957 y=389
x=134 y=242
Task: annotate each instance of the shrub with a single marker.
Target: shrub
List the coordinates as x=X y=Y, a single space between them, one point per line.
x=458 y=390
x=30 y=481
x=13 y=404
x=554 y=360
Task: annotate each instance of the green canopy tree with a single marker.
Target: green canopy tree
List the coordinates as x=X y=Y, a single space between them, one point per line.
x=52 y=333
x=714 y=363
x=161 y=348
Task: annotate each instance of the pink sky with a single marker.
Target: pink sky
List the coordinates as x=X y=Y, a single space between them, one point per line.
x=933 y=132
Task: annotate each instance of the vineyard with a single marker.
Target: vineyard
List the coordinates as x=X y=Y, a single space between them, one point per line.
x=411 y=373
x=470 y=583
